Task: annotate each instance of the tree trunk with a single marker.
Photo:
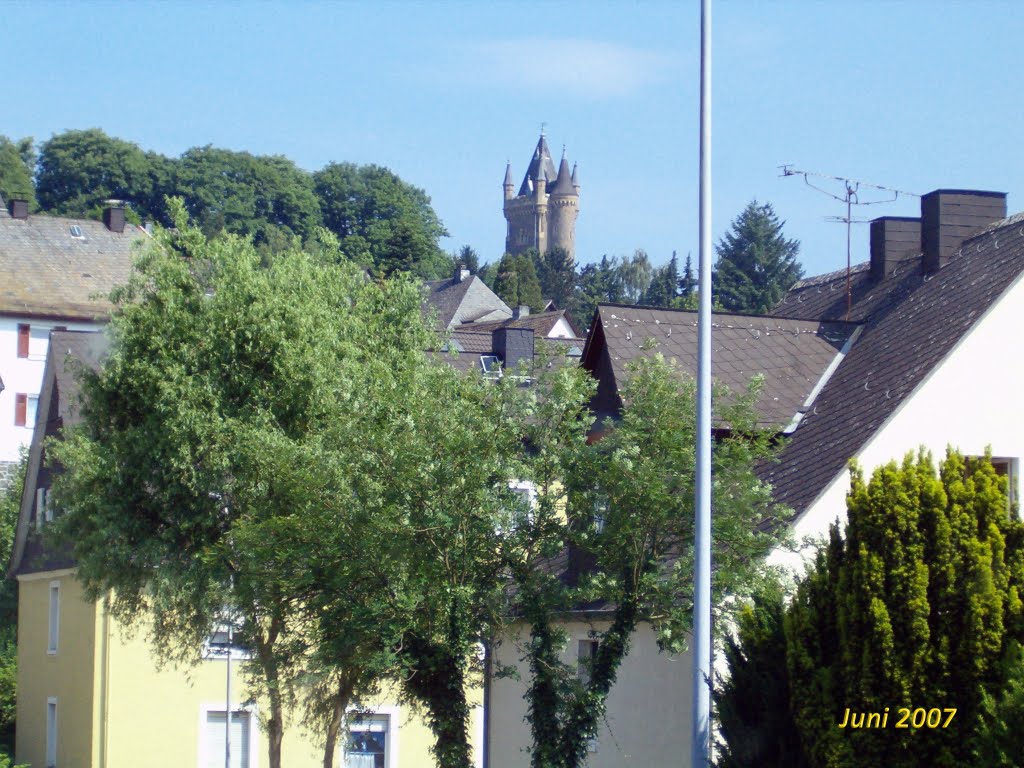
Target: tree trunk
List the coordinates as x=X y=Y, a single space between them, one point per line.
x=271 y=678
x=340 y=704
x=439 y=682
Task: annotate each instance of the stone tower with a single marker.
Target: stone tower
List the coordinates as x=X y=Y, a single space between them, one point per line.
x=543 y=214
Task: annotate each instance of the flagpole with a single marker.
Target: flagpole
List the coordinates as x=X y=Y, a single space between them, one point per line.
x=701 y=738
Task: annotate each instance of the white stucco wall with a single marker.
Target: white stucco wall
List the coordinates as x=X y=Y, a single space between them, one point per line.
x=23 y=375
x=648 y=719
x=970 y=401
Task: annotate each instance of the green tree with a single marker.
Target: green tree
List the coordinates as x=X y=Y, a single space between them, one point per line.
x=10 y=508
x=265 y=197
x=516 y=281
x=16 y=163
x=753 y=703
x=184 y=484
x=621 y=510
x=664 y=287
x=914 y=607
x=634 y=276
x=687 y=283
x=381 y=220
x=557 y=276
x=466 y=257
x=756 y=263
x=595 y=283
x=78 y=171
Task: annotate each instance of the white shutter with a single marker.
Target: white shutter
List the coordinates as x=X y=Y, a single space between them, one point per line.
x=215 y=739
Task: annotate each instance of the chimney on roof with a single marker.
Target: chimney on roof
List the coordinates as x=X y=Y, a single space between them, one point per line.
x=893 y=239
x=513 y=346
x=113 y=215
x=18 y=209
x=461 y=273
x=521 y=311
x=950 y=216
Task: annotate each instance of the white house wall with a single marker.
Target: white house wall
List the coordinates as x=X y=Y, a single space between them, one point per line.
x=648 y=719
x=971 y=401
x=23 y=375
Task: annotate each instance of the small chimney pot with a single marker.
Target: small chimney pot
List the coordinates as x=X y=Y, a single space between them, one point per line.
x=521 y=311
x=893 y=239
x=950 y=216
x=113 y=216
x=18 y=208
x=461 y=273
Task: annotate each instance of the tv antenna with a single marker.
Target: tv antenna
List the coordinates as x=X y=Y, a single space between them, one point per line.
x=851 y=196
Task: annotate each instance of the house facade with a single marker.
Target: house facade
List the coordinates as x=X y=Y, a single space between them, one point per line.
x=93 y=694
x=920 y=352
x=54 y=274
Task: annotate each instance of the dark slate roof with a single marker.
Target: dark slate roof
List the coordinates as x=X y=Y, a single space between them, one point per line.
x=911 y=322
x=467 y=301
x=45 y=271
x=792 y=355
x=465 y=348
x=563 y=186
x=541 y=163
x=67 y=350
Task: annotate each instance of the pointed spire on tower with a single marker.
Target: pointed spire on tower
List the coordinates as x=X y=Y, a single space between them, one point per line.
x=508 y=175
x=575 y=179
x=564 y=185
x=541 y=160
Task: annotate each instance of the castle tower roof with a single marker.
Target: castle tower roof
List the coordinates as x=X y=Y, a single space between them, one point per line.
x=564 y=184
x=508 y=175
x=575 y=179
x=541 y=162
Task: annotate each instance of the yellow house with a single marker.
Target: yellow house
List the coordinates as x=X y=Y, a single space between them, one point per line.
x=92 y=696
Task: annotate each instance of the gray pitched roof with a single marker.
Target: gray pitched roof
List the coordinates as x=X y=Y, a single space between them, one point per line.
x=911 y=322
x=564 y=184
x=58 y=408
x=794 y=356
x=46 y=271
x=467 y=301
x=542 y=323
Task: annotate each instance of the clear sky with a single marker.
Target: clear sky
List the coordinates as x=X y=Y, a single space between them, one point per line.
x=910 y=95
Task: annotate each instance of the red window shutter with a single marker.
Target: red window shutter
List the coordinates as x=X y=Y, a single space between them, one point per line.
x=23 y=336
x=20 y=407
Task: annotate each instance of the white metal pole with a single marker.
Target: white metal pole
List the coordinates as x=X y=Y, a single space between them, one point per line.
x=701 y=738
x=227 y=686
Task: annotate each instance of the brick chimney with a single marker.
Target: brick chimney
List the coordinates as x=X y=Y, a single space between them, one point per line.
x=113 y=215
x=461 y=273
x=893 y=239
x=950 y=216
x=18 y=209
x=521 y=311
x=512 y=346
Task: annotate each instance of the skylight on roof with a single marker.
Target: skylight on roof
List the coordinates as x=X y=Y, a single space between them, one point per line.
x=491 y=366
x=76 y=231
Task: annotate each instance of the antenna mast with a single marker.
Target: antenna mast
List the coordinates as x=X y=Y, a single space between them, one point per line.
x=850 y=196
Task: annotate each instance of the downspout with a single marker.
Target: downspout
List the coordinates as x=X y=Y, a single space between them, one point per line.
x=105 y=683
x=486 y=746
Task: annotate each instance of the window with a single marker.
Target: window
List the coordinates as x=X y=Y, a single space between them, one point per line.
x=586 y=651
x=43 y=512
x=367 y=745
x=20 y=409
x=38 y=340
x=1007 y=467
x=51 y=732
x=76 y=231
x=491 y=366
x=54 y=629
x=215 y=739
x=24 y=330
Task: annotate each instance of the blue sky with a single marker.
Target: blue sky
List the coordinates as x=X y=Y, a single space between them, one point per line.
x=910 y=95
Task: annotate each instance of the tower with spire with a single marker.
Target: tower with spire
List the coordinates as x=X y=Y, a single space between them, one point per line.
x=543 y=213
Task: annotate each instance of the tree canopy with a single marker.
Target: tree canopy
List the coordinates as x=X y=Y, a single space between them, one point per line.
x=756 y=263
x=516 y=281
x=17 y=160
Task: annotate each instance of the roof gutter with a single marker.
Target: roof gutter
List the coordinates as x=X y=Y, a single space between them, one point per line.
x=809 y=402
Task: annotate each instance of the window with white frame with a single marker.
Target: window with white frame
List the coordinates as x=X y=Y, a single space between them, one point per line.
x=31 y=406
x=53 y=633
x=367 y=743
x=586 y=652
x=51 y=732
x=216 y=738
x=38 y=340
x=1008 y=468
